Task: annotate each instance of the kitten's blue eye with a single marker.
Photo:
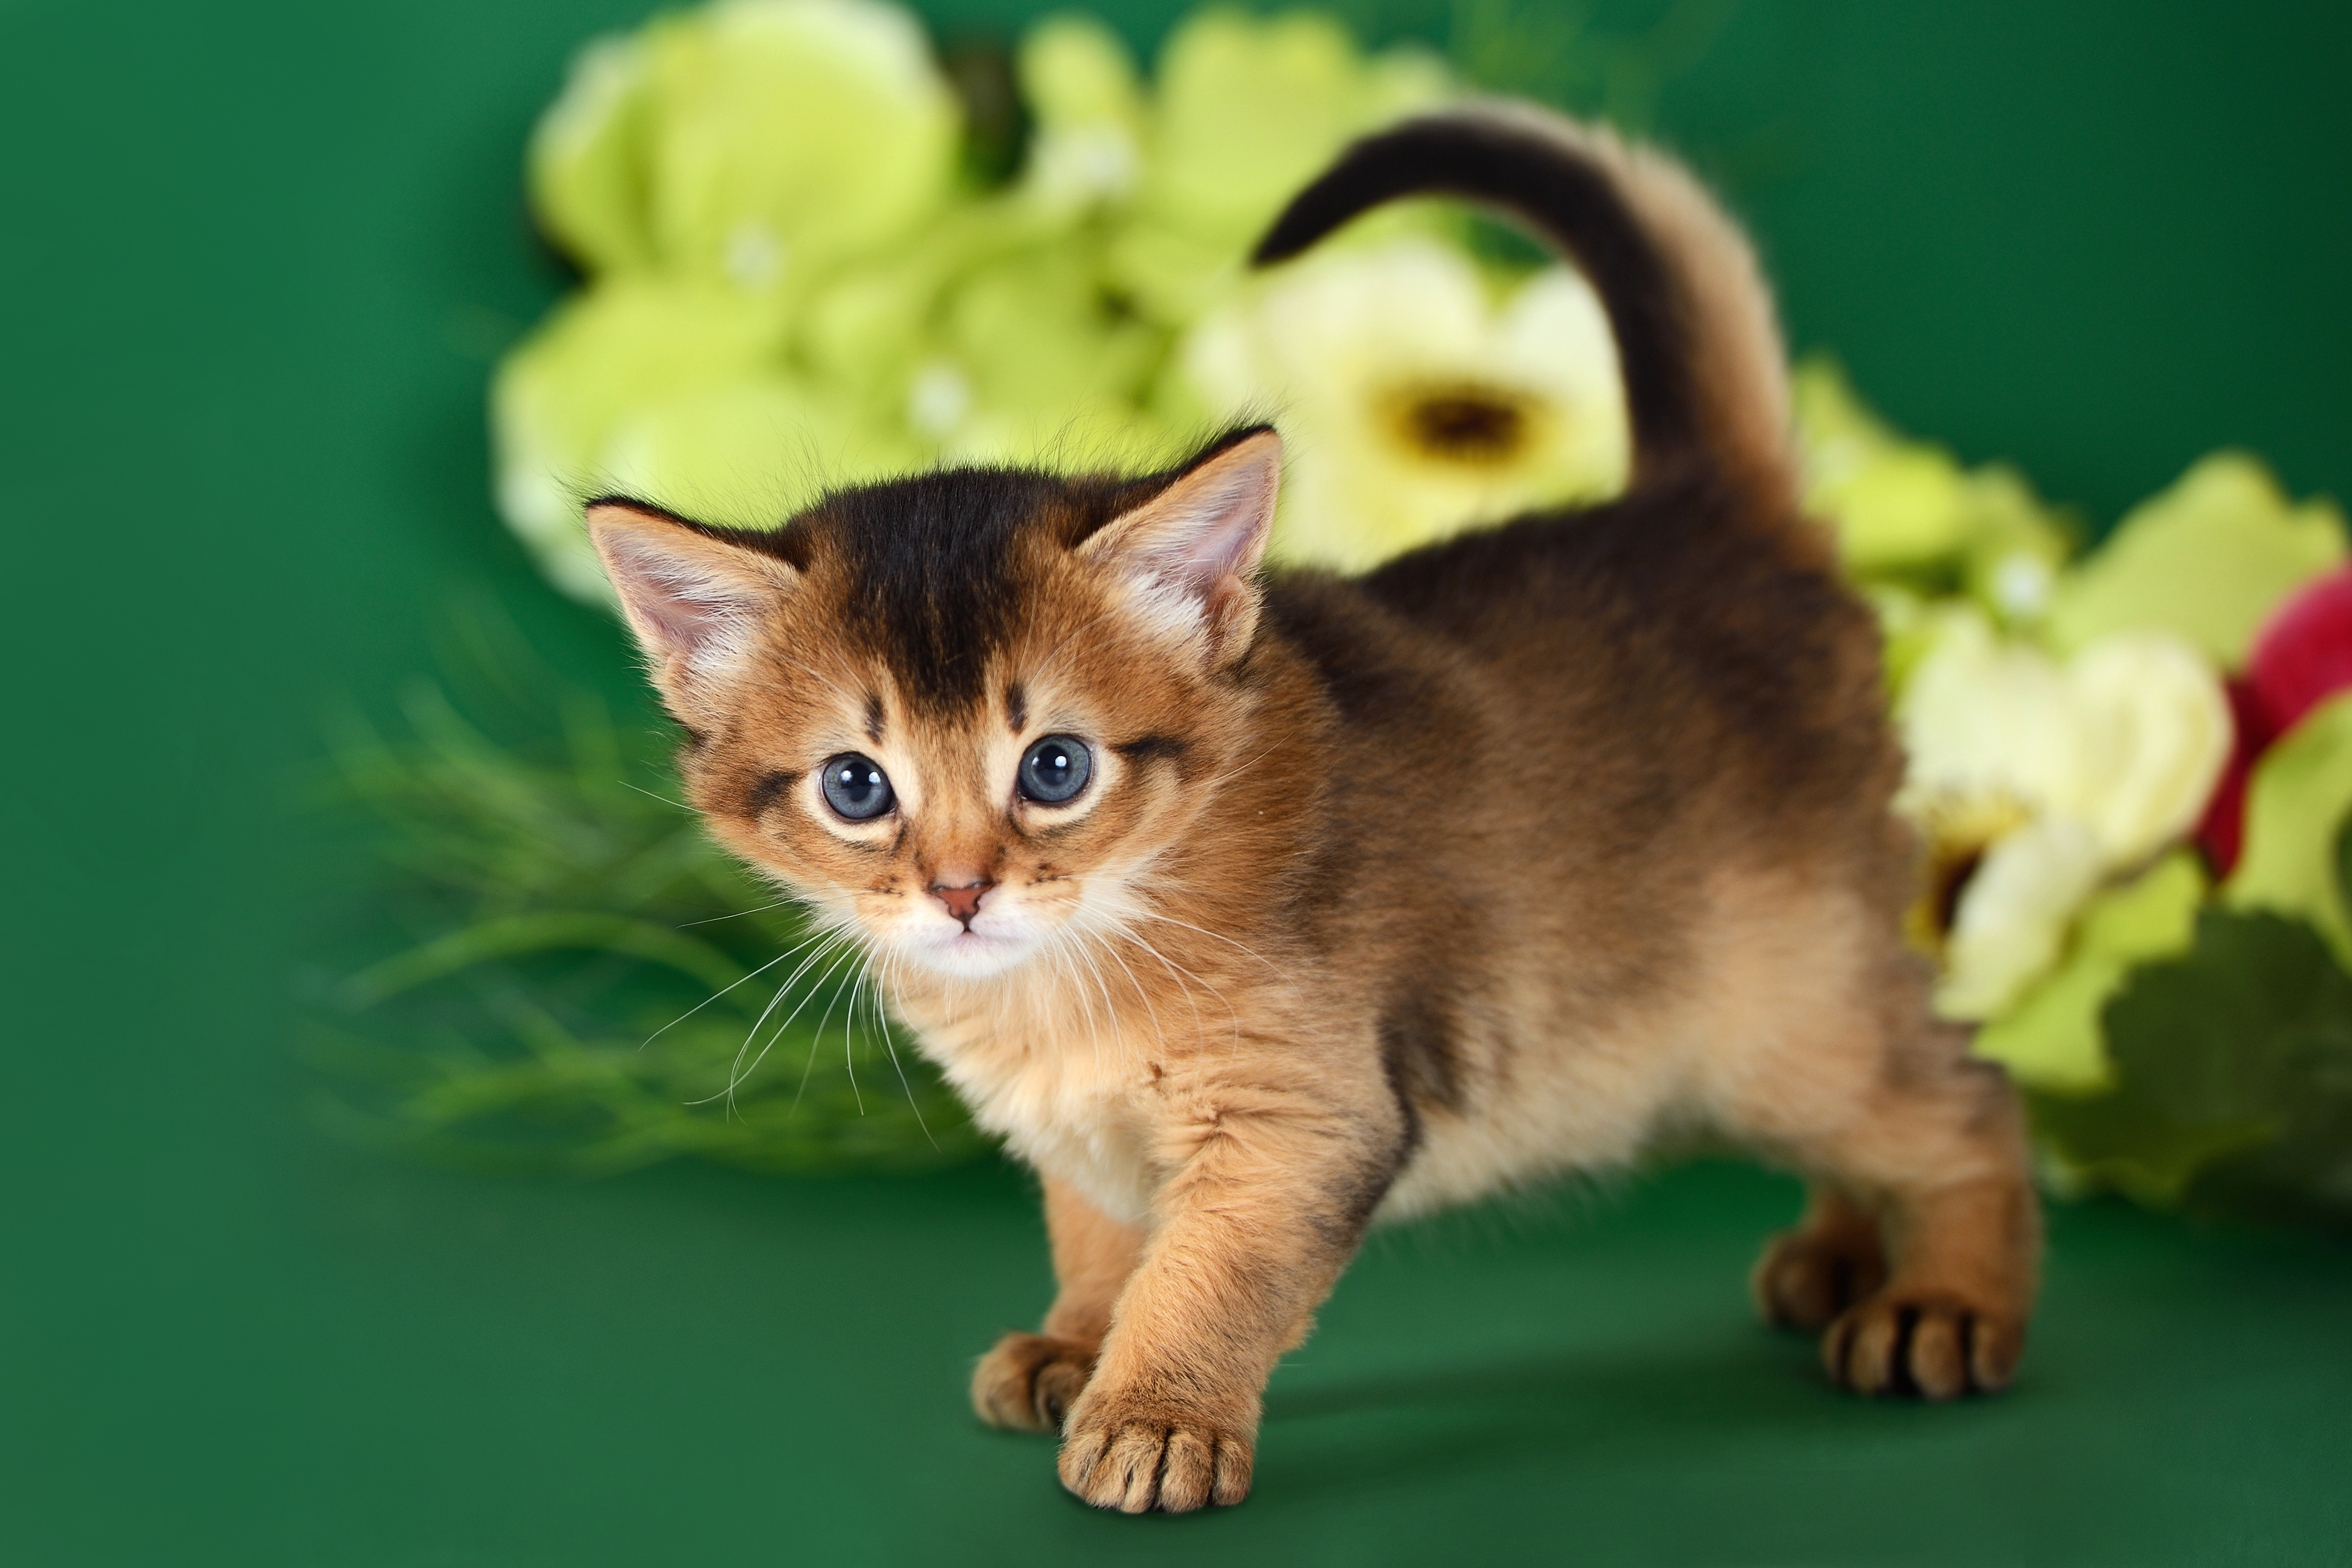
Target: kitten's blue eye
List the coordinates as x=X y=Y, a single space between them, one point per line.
x=1055 y=769
x=856 y=787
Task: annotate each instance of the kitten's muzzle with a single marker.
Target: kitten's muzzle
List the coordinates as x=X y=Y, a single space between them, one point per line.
x=963 y=902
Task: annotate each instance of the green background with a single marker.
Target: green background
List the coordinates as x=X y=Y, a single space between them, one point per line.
x=254 y=266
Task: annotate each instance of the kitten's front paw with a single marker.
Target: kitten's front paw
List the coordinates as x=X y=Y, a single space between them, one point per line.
x=1135 y=1455
x=1934 y=1345
x=1028 y=1382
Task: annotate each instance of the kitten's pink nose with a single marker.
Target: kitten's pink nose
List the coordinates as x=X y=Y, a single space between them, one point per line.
x=963 y=902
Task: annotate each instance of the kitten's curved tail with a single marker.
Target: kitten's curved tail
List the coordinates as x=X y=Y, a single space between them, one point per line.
x=1706 y=378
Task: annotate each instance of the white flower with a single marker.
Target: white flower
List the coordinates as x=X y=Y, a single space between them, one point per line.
x=1412 y=403
x=2013 y=913
x=2036 y=782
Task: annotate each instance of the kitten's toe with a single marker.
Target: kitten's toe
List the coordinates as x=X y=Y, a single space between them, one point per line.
x=1028 y=1382
x=1130 y=1455
x=1932 y=1346
x=1806 y=1278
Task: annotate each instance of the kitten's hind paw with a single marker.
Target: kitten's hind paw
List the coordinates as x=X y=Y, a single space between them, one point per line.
x=1808 y=1276
x=1131 y=1455
x=1028 y=1382
x=1935 y=1346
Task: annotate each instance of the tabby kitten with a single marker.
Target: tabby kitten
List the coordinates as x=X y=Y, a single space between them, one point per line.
x=1251 y=909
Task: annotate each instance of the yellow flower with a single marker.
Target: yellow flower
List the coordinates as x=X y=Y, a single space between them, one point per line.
x=1413 y=405
x=2041 y=782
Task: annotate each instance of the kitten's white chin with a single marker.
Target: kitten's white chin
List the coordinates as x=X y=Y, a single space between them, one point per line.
x=969 y=955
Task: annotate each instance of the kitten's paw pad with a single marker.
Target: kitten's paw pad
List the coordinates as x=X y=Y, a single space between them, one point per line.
x=1125 y=1455
x=1028 y=1382
x=1806 y=1278
x=1935 y=1347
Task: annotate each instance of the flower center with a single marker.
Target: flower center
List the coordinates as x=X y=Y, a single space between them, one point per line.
x=1959 y=831
x=1476 y=424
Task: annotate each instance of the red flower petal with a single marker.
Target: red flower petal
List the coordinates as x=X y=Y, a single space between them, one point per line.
x=2304 y=655
x=2223 y=835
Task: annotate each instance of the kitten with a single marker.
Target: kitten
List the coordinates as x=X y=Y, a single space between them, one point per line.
x=1251 y=909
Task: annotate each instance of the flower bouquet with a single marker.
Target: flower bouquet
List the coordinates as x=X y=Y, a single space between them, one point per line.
x=812 y=253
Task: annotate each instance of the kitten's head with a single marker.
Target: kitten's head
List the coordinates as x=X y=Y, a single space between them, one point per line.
x=964 y=711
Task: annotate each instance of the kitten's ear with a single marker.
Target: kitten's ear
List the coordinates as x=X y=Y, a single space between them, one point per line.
x=1190 y=550
x=695 y=601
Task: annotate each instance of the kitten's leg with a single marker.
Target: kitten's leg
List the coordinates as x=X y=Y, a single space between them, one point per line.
x=1952 y=1318
x=1029 y=1381
x=1833 y=1258
x=1258 y=1217
x=1935 y=1145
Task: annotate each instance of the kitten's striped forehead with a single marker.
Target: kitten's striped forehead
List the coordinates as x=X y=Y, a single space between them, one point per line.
x=939 y=566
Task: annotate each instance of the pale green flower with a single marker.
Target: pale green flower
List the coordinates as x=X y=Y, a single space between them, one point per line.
x=749 y=453
x=1248 y=111
x=1251 y=108
x=1088 y=112
x=2298 y=801
x=1049 y=372
x=871 y=328
x=758 y=142
x=2207 y=560
x=624 y=344
x=2035 y=782
x=1907 y=510
x=588 y=159
x=994 y=338
x=1413 y=405
x=793 y=135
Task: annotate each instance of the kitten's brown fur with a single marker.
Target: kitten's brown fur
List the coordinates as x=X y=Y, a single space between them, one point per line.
x=1387 y=891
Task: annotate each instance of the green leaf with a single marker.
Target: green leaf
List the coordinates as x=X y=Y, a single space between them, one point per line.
x=2343 y=862
x=2051 y=1037
x=2235 y=1070
x=544 y=931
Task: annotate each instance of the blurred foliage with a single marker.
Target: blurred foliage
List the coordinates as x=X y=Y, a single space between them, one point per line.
x=2233 y=1065
x=589 y=985
x=1556 y=52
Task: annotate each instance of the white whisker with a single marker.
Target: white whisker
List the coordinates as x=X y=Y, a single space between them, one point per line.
x=651 y=795
x=737 y=914
x=736 y=1080
x=1142 y=995
x=890 y=1046
x=724 y=989
x=1175 y=969
x=845 y=1058
x=1061 y=941
x=1172 y=920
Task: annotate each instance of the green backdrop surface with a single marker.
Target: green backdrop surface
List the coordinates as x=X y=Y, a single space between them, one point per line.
x=254 y=266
